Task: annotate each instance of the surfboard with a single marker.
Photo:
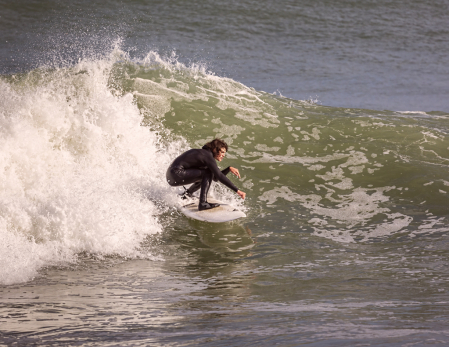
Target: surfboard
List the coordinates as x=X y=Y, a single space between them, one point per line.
x=220 y=214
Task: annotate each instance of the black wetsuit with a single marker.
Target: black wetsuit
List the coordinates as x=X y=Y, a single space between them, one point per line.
x=197 y=166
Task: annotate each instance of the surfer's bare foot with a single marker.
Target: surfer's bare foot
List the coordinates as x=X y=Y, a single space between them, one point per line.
x=207 y=206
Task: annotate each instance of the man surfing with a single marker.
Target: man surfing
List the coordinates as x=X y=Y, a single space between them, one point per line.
x=198 y=166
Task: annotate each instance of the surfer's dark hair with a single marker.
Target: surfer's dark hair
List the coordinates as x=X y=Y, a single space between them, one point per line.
x=216 y=145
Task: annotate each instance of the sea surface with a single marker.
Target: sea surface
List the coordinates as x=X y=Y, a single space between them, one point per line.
x=336 y=115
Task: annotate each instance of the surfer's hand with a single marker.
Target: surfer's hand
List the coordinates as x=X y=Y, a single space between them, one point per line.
x=242 y=194
x=235 y=171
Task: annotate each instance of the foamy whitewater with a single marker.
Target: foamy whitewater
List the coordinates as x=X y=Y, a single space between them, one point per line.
x=78 y=171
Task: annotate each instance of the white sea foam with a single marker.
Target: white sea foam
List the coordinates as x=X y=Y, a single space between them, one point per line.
x=77 y=171
x=349 y=211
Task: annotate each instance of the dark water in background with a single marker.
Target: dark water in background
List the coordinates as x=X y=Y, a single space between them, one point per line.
x=369 y=54
x=345 y=240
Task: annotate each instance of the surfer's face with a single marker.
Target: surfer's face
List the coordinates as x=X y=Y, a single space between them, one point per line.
x=220 y=155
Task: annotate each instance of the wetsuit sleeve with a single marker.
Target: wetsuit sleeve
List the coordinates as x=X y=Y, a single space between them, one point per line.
x=224 y=172
x=212 y=166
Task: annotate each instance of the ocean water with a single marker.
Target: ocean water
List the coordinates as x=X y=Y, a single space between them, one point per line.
x=336 y=115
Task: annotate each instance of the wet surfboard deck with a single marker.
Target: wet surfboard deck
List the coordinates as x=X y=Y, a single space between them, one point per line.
x=220 y=214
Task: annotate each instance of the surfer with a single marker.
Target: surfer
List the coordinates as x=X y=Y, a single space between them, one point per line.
x=198 y=166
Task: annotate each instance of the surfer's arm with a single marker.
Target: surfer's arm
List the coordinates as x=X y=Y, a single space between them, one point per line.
x=212 y=166
x=235 y=172
x=224 y=172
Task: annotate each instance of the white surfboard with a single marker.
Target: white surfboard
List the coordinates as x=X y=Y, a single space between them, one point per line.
x=220 y=214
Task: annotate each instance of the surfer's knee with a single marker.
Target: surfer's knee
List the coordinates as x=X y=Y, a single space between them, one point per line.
x=172 y=177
